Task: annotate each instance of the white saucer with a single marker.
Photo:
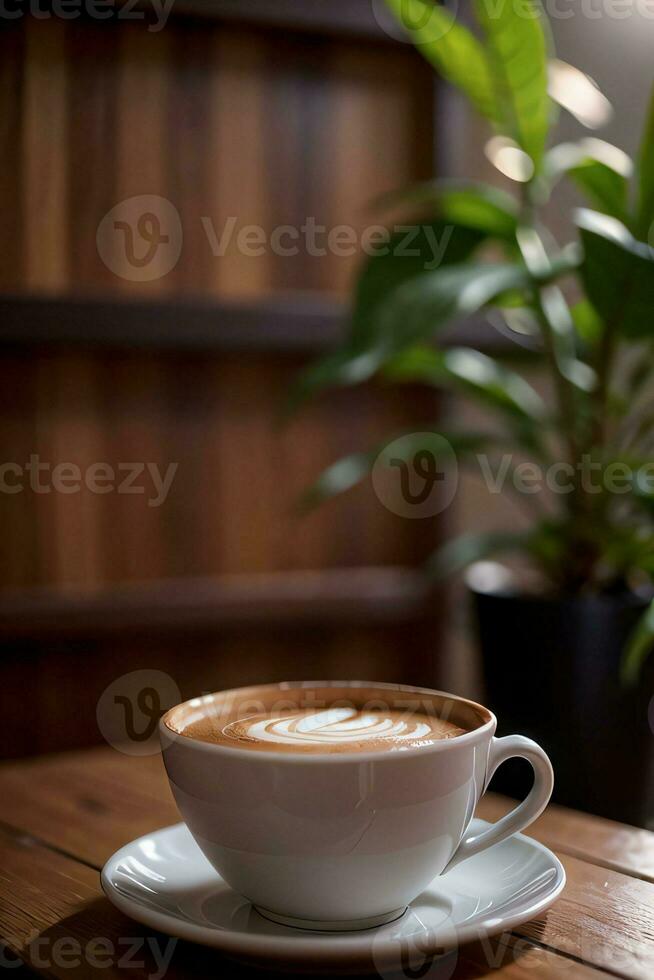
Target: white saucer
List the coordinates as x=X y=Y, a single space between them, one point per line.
x=164 y=881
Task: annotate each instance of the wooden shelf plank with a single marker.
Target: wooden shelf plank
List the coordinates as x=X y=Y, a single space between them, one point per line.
x=356 y=18
x=302 y=322
x=293 y=323
x=368 y=595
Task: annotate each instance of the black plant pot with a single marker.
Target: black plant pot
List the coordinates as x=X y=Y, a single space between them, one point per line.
x=551 y=668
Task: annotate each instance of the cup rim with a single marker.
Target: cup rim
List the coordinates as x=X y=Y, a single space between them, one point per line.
x=169 y=734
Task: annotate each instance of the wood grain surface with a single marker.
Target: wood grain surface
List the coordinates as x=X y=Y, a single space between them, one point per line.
x=66 y=815
x=238 y=123
x=228 y=123
x=65 y=905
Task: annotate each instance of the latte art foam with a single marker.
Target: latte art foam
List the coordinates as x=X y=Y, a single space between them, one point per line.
x=332 y=729
x=334 y=726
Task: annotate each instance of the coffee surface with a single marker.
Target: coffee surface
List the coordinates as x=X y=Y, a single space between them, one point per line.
x=332 y=730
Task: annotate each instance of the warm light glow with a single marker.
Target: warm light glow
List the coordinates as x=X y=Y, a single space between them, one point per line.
x=578 y=93
x=606 y=153
x=488 y=576
x=509 y=159
x=471 y=366
x=604 y=224
x=567 y=155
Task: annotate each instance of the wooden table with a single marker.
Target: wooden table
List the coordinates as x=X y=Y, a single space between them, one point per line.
x=62 y=817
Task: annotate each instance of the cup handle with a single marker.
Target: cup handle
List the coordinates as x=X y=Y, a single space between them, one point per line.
x=502 y=749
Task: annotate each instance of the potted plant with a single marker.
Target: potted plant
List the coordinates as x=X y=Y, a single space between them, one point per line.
x=566 y=662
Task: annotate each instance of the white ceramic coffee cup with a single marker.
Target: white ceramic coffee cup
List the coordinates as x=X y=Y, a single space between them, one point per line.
x=347 y=840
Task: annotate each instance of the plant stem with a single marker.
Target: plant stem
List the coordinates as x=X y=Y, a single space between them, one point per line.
x=564 y=390
x=605 y=357
x=583 y=553
x=604 y=361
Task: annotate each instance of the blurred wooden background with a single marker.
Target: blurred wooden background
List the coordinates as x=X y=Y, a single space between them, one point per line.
x=284 y=117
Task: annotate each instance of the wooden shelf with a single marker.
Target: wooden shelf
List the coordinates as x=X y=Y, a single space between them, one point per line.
x=369 y=595
x=298 y=322
x=355 y=18
x=302 y=322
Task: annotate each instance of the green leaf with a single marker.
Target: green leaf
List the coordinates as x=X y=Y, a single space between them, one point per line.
x=351 y=470
x=607 y=189
x=555 y=313
x=646 y=175
x=518 y=52
x=420 y=307
x=412 y=250
x=337 y=478
x=587 y=322
x=393 y=311
x=451 y=48
x=494 y=382
x=343 y=367
x=558 y=315
x=599 y=169
x=416 y=364
x=485 y=208
x=618 y=274
x=467 y=204
x=639 y=646
x=455 y=555
x=476 y=373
